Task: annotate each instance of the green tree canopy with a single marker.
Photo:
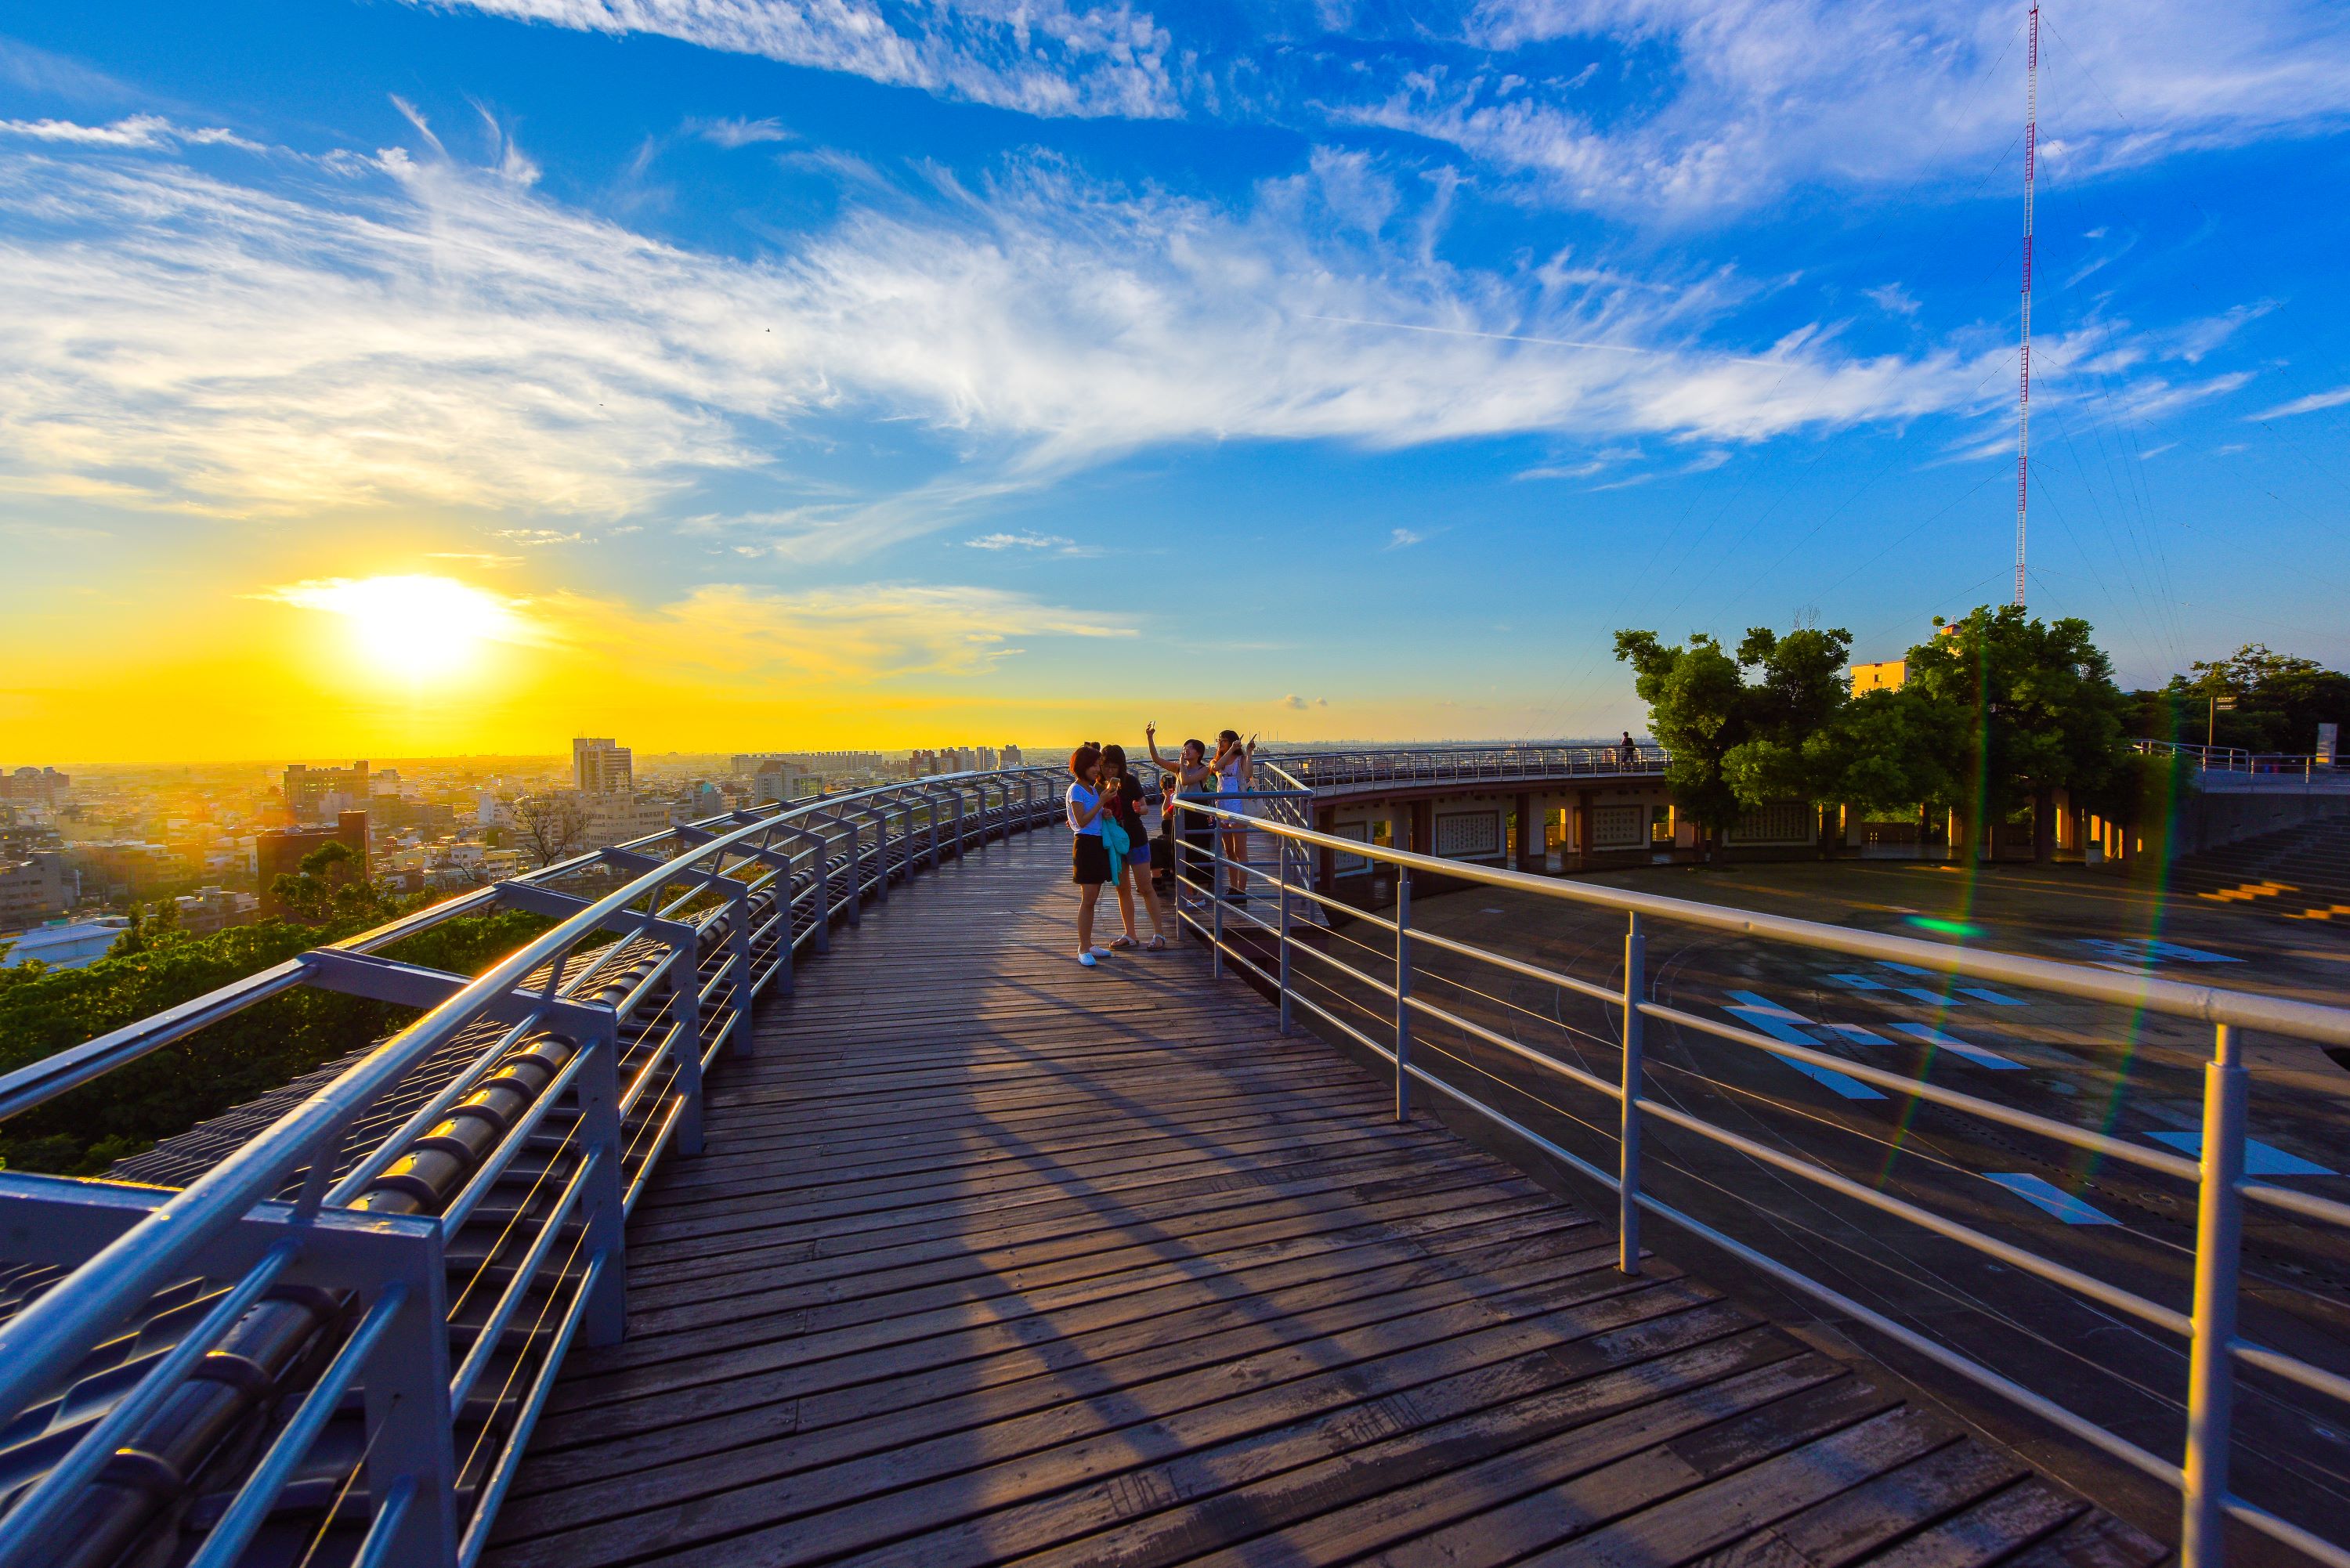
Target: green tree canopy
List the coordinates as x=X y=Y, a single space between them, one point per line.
x=1735 y=741
x=2279 y=699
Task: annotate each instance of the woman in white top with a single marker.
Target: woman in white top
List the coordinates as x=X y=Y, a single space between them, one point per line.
x=1234 y=767
x=1088 y=860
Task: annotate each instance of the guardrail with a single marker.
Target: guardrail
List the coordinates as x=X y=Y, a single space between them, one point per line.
x=1401 y=765
x=2236 y=760
x=1389 y=1017
x=355 y=1331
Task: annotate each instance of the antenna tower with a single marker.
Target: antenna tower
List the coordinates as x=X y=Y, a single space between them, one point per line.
x=2024 y=382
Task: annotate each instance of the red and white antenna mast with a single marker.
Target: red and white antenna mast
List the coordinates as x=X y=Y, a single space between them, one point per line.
x=2024 y=382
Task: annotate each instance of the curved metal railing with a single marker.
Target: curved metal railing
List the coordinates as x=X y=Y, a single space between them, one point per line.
x=1370 y=982
x=350 y=1323
x=1412 y=765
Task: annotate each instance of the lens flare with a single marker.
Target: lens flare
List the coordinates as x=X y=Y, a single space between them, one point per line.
x=418 y=627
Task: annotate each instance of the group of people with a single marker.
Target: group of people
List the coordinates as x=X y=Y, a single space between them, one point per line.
x=1111 y=837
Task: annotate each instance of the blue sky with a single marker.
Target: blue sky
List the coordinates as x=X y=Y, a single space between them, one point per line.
x=1341 y=369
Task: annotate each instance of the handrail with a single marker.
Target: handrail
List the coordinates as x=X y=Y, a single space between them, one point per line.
x=706 y=957
x=2215 y=1346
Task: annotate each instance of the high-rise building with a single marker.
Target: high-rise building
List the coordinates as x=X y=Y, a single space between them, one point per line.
x=1009 y=757
x=307 y=789
x=602 y=767
x=37 y=889
x=280 y=853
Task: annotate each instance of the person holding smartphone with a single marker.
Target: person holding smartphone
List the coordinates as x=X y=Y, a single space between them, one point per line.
x=1234 y=767
x=1088 y=860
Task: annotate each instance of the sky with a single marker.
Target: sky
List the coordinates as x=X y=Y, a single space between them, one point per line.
x=401 y=379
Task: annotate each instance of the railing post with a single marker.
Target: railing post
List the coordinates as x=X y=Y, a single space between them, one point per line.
x=1628 y=1167
x=685 y=1047
x=2211 y=1375
x=880 y=810
x=738 y=937
x=855 y=871
x=822 y=930
x=1403 y=994
x=930 y=811
x=1216 y=909
x=1279 y=861
x=405 y=1394
x=605 y=1321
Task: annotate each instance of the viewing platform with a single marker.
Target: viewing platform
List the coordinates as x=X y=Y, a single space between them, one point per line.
x=989 y=1258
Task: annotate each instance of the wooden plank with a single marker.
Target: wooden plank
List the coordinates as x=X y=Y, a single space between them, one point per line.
x=990 y=1256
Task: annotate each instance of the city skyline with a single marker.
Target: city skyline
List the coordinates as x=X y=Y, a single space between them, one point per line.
x=412 y=381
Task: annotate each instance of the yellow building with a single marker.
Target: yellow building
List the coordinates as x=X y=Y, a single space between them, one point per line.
x=1885 y=677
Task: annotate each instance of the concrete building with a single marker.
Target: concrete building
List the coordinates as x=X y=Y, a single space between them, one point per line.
x=1887 y=676
x=602 y=767
x=309 y=790
x=36 y=889
x=618 y=818
x=36 y=786
x=65 y=944
x=126 y=868
x=280 y=853
x=210 y=910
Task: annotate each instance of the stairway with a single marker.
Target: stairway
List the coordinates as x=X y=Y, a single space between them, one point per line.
x=2298 y=873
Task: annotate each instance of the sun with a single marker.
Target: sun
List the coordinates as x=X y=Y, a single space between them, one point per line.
x=415 y=626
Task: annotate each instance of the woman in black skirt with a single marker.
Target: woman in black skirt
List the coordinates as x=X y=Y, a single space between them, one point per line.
x=1088 y=861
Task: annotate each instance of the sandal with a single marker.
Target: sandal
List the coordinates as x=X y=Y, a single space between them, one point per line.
x=1123 y=942
x=1155 y=945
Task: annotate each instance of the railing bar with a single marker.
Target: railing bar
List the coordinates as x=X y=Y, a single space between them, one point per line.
x=636 y=994
x=2302 y=1203
x=1575 y=1075
x=485 y=1342
x=1990 y=1110
x=1530 y=970
x=376 y=1545
x=258 y=1494
x=478 y=1185
x=502 y=1474
x=652 y=1155
x=2292 y=1369
x=718 y=976
x=2096 y=1289
x=1380 y=986
x=391 y=1149
x=33 y=1514
x=2292 y=1534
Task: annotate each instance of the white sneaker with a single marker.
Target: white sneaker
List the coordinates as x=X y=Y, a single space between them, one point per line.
x=1087 y=960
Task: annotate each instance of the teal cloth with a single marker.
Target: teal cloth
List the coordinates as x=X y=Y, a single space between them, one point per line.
x=1115 y=840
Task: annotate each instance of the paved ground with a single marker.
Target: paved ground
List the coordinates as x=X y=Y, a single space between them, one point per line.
x=2135 y=1077
x=992 y=1258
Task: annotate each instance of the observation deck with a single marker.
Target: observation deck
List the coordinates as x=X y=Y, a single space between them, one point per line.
x=796 y=1198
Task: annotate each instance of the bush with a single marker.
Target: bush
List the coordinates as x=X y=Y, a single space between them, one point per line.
x=43 y=1010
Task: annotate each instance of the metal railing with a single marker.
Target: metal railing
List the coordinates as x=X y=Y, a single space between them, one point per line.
x=1372 y=1000
x=419 y=1286
x=1408 y=765
x=2235 y=760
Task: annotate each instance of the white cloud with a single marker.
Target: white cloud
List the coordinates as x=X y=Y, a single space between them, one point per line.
x=1040 y=56
x=1299 y=703
x=400 y=332
x=137 y=130
x=1893 y=297
x=1404 y=538
x=732 y=134
x=2308 y=405
x=534 y=538
x=1019 y=542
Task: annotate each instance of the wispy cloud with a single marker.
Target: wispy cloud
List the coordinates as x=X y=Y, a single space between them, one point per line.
x=1404 y=538
x=137 y=130
x=1019 y=542
x=732 y=134
x=2307 y=405
x=1893 y=297
x=535 y=538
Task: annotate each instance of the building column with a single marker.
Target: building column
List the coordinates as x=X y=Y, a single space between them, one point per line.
x=1530 y=833
x=1325 y=861
x=1423 y=827
x=1583 y=827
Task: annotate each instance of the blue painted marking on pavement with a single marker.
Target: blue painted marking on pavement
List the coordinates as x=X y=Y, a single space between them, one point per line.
x=1930 y=998
x=1857 y=1036
x=2260 y=1158
x=2047 y=1196
x=1856 y=982
x=1901 y=967
x=2147 y=951
x=1957 y=1047
x=1996 y=998
x=1765 y=1016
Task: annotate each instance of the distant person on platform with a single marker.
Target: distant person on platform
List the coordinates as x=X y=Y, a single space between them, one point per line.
x=1194 y=780
x=1122 y=800
x=1628 y=754
x=1088 y=861
x=1234 y=766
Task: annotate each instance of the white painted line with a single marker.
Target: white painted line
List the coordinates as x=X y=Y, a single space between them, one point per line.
x=1957 y=1047
x=2048 y=1197
x=2260 y=1158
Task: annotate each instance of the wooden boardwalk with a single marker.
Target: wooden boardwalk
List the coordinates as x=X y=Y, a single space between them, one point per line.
x=991 y=1258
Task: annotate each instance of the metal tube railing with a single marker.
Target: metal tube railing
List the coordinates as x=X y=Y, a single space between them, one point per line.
x=2210 y=1328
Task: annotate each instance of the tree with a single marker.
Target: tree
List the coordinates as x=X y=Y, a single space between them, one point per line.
x=326 y=886
x=2279 y=699
x=2023 y=708
x=552 y=827
x=1736 y=745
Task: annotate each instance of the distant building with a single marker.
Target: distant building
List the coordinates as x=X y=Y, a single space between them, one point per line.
x=777 y=780
x=308 y=790
x=602 y=767
x=65 y=945
x=1885 y=677
x=210 y=910
x=125 y=868
x=44 y=786
x=279 y=853
x=1009 y=757
x=617 y=819
x=39 y=888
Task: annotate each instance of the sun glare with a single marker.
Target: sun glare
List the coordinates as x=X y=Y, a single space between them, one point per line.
x=416 y=626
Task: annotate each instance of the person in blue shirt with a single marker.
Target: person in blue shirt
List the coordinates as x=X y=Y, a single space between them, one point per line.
x=1088 y=861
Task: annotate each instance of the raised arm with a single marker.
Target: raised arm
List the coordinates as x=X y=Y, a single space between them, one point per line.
x=1151 y=744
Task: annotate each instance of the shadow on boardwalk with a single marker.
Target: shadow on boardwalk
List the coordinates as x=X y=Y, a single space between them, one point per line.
x=990 y=1257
